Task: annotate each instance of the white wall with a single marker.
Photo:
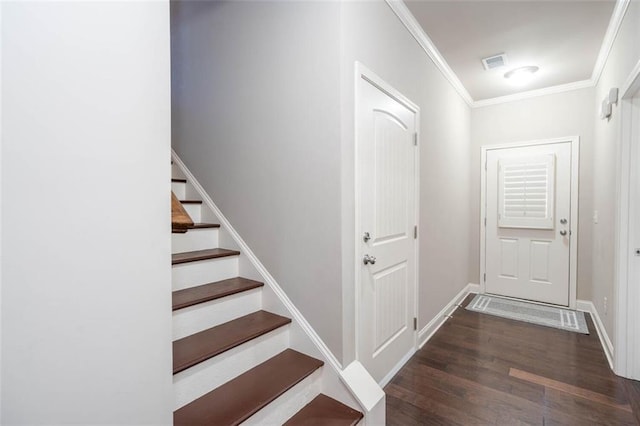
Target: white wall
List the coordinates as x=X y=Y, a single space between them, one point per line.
x=1 y=212
x=256 y=118
x=623 y=57
x=374 y=36
x=86 y=317
x=545 y=117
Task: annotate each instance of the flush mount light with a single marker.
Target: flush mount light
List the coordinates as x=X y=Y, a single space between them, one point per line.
x=522 y=75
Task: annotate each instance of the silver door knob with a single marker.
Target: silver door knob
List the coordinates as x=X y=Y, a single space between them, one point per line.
x=563 y=232
x=369 y=259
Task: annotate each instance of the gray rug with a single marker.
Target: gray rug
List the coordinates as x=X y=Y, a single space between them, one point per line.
x=564 y=319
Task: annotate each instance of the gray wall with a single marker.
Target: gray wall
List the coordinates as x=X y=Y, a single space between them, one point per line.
x=374 y=36
x=256 y=118
x=623 y=57
x=545 y=117
x=86 y=275
x=263 y=115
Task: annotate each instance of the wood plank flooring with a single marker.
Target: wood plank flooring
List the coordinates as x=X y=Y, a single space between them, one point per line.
x=483 y=370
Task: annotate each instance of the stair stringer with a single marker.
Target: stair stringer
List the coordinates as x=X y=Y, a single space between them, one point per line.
x=352 y=385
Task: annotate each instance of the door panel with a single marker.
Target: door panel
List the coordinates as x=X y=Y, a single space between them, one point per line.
x=390 y=292
x=540 y=261
x=508 y=258
x=528 y=196
x=390 y=186
x=386 y=158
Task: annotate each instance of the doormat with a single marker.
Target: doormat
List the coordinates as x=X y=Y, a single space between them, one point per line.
x=549 y=316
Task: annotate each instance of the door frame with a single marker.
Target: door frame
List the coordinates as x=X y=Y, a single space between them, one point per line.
x=364 y=73
x=573 y=248
x=626 y=326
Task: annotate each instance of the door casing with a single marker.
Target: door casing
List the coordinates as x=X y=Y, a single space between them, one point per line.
x=573 y=247
x=626 y=292
x=364 y=73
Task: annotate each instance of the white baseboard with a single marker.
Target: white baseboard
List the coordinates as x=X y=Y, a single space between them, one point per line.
x=607 y=346
x=386 y=379
x=429 y=330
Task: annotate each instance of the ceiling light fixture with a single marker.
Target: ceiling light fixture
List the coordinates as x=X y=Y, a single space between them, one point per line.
x=521 y=76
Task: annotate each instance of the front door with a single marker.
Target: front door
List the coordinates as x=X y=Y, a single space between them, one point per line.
x=386 y=157
x=528 y=229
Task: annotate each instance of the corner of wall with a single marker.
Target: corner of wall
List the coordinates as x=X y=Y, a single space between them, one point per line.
x=605 y=341
x=436 y=322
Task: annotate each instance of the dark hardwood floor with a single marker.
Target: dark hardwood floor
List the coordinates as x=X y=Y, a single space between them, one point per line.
x=483 y=370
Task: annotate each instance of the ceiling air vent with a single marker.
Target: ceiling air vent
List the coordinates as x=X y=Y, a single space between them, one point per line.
x=495 y=61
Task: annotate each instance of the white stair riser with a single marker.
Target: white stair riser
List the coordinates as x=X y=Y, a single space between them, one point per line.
x=208 y=375
x=179 y=189
x=289 y=403
x=194 y=239
x=194 y=211
x=191 y=274
x=196 y=318
x=176 y=172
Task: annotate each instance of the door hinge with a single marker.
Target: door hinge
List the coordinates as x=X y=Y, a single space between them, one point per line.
x=485 y=277
x=415 y=323
x=485 y=221
x=415 y=138
x=415 y=232
x=485 y=165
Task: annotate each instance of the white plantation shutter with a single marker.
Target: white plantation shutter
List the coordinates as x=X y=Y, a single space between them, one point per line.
x=526 y=192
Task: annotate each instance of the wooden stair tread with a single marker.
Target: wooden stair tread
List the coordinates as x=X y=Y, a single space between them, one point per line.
x=212 y=291
x=324 y=410
x=240 y=398
x=191 y=201
x=193 y=256
x=206 y=344
x=204 y=225
x=195 y=226
x=179 y=180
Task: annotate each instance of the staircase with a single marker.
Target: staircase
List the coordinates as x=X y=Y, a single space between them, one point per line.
x=232 y=359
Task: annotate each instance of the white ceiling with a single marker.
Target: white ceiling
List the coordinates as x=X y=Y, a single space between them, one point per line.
x=563 y=38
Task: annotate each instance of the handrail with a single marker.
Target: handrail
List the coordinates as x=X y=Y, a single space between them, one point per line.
x=180 y=219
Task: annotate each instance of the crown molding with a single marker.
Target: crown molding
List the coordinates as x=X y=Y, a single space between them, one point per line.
x=615 y=22
x=415 y=29
x=534 y=93
x=406 y=17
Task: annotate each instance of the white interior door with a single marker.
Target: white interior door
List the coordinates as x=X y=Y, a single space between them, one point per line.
x=528 y=222
x=386 y=162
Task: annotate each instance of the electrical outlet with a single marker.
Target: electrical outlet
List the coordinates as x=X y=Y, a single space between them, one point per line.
x=605 y=306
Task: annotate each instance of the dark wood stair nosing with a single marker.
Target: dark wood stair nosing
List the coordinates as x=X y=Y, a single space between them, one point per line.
x=241 y=397
x=203 y=225
x=195 y=226
x=206 y=344
x=325 y=410
x=211 y=291
x=178 y=180
x=198 y=255
x=191 y=201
